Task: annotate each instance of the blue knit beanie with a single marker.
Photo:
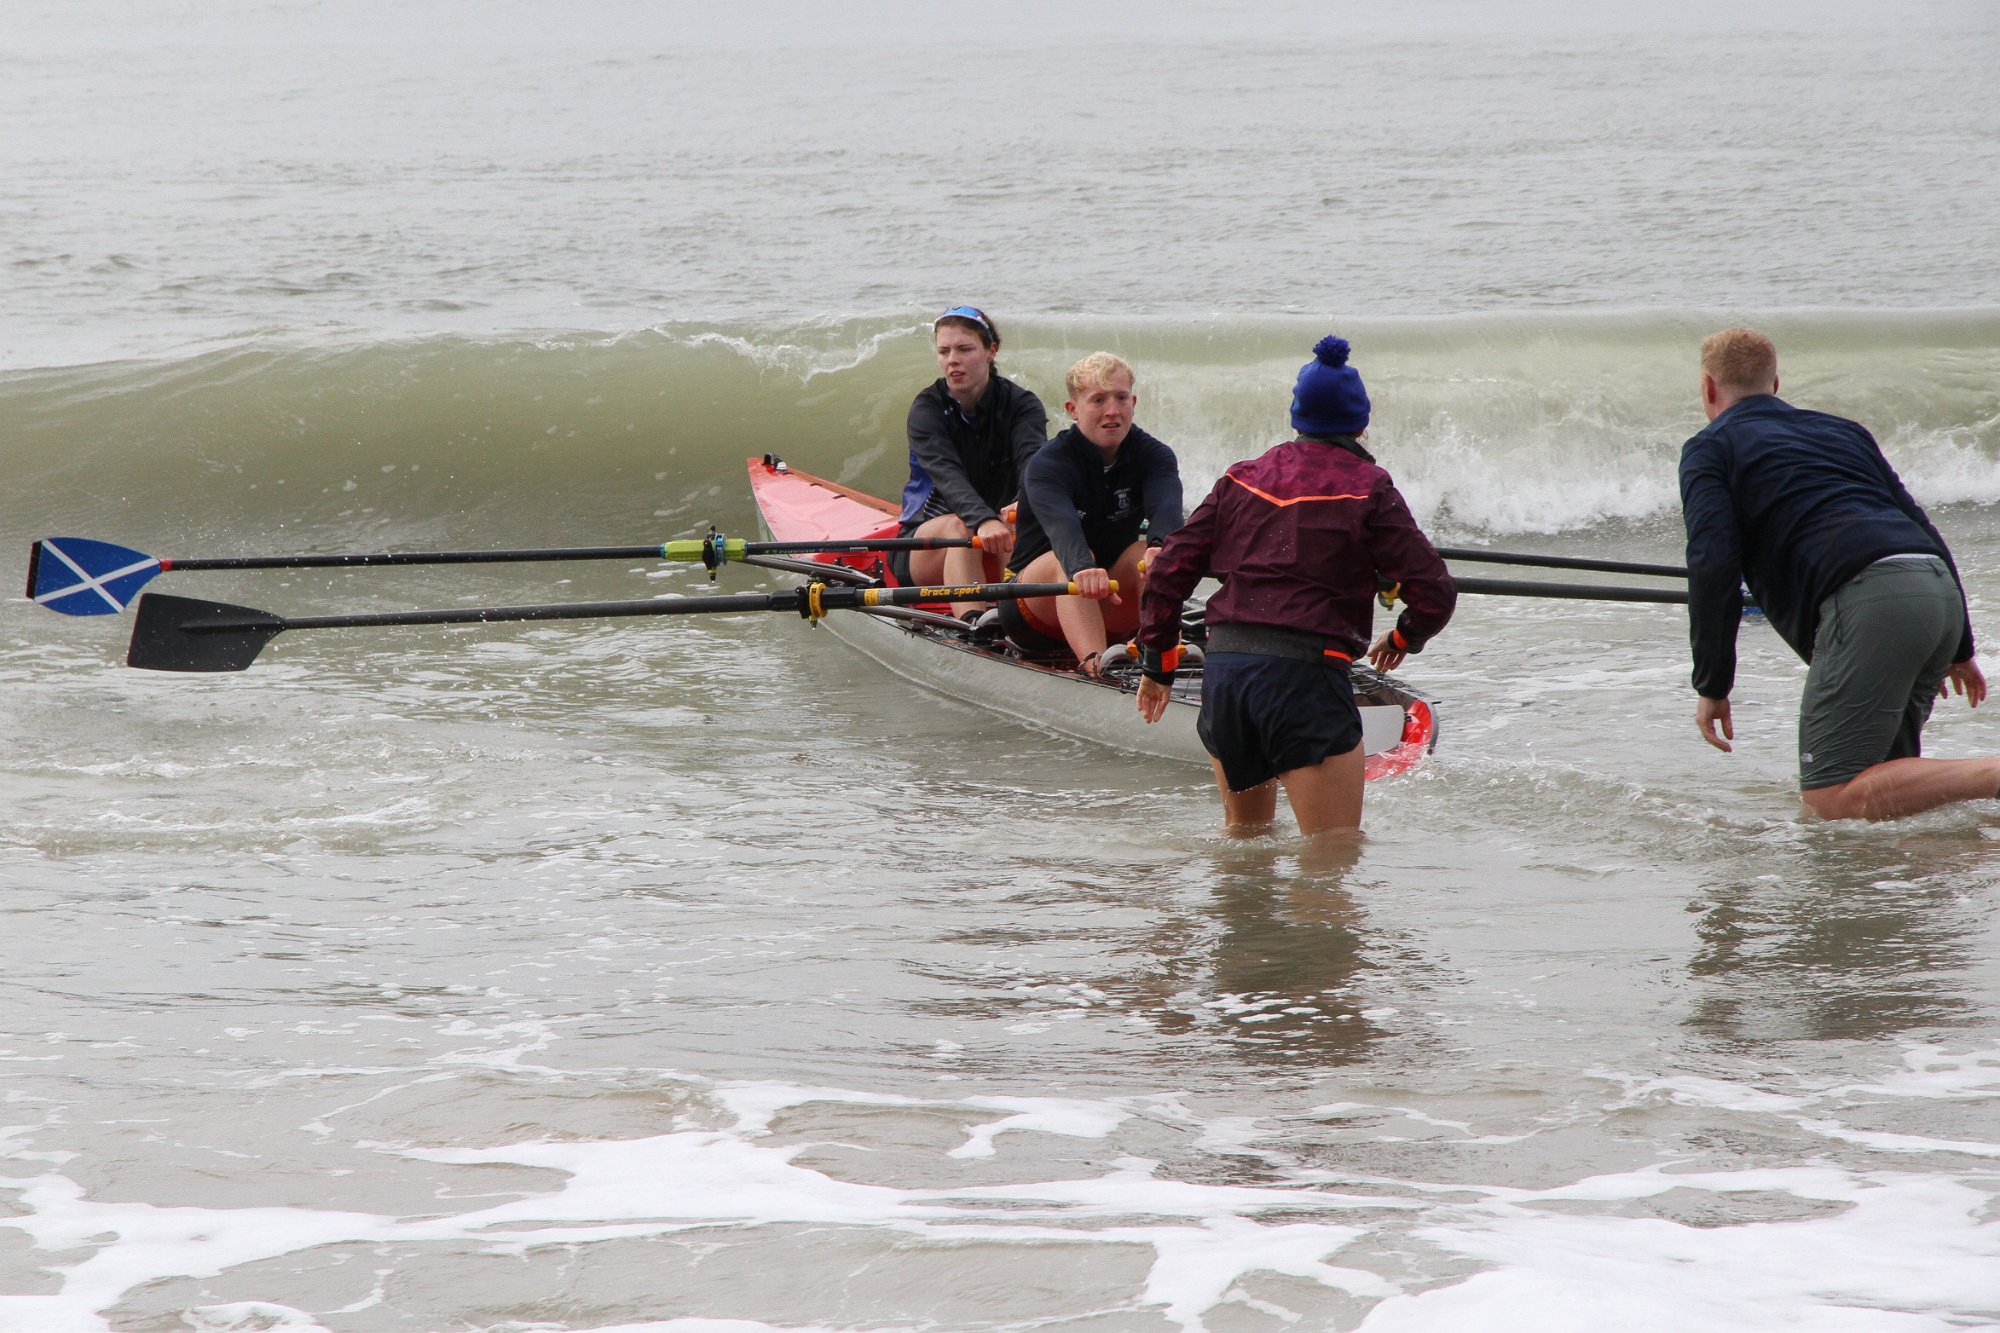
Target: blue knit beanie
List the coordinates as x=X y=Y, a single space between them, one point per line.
x=1329 y=398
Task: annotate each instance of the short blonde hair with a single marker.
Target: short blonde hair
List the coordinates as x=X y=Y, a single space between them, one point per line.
x=1742 y=361
x=1097 y=368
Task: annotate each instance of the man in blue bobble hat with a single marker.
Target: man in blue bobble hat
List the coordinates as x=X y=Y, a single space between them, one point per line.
x=1298 y=537
x=1329 y=402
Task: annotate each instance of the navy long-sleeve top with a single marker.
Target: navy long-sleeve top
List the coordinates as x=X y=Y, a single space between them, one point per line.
x=1088 y=513
x=970 y=465
x=1794 y=503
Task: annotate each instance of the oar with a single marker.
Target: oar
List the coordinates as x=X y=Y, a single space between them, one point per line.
x=1563 y=562
x=80 y=576
x=182 y=634
x=1582 y=592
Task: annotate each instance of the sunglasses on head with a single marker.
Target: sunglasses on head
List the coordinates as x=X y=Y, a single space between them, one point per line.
x=965 y=312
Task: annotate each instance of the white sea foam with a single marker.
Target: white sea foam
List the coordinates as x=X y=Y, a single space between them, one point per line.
x=1047 y=1115
x=1862 y=1268
x=1662 y=1245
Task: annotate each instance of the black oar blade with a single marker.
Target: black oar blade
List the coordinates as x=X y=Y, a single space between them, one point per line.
x=78 y=576
x=183 y=634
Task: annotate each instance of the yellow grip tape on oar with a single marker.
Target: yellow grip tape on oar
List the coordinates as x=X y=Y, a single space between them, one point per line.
x=711 y=551
x=1387 y=595
x=815 y=610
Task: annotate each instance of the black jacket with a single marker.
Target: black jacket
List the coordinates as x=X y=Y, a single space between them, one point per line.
x=1794 y=503
x=970 y=466
x=1087 y=513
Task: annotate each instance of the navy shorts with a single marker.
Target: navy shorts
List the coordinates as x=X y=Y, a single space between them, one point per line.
x=1262 y=716
x=1028 y=636
x=899 y=565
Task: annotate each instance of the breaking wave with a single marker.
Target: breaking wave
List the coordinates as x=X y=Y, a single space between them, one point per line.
x=1518 y=424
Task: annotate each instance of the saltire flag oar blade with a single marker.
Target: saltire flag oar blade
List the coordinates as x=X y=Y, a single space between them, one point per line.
x=183 y=634
x=80 y=576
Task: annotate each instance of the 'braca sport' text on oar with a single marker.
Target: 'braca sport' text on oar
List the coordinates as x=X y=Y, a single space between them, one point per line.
x=182 y=634
x=80 y=576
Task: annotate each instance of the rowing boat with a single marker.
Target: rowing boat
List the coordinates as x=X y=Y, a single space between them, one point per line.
x=1399 y=726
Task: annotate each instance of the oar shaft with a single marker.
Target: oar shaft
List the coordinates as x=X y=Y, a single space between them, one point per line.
x=690 y=550
x=358 y=560
x=718 y=548
x=486 y=615
x=805 y=600
x=1562 y=562
x=967 y=592
x=1582 y=592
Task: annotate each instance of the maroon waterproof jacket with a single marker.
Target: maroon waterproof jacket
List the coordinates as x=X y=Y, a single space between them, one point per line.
x=1299 y=537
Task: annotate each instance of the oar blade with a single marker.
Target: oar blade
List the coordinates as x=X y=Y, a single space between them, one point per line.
x=183 y=634
x=79 y=576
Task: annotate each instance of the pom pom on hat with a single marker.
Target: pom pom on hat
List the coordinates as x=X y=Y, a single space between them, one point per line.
x=1329 y=398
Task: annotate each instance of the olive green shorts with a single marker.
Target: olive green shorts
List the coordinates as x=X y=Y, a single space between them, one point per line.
x=1885 y=641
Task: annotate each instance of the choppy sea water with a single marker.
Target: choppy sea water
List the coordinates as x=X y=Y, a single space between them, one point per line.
x=694 y=977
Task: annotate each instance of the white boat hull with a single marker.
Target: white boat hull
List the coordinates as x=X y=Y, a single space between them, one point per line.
x=1058 y=701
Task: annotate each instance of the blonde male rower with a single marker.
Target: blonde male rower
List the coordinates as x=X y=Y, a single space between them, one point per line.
x=1804 y=508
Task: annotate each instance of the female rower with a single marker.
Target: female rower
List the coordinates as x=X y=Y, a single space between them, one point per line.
x=1084 y=497
x=971 y=433
x=1299 y=538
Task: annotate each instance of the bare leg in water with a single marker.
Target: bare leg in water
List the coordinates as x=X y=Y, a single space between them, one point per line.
x=1325 y=798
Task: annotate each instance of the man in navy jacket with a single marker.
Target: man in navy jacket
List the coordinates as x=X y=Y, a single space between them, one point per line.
x=1851 y=573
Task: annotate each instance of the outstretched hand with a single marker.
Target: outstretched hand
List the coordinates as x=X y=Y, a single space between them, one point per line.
x=1966 y=678
x=1707 y=714
x=1153 y=699
x=1384 y=653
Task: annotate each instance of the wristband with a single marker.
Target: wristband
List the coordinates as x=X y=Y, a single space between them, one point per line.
x=1159 y=667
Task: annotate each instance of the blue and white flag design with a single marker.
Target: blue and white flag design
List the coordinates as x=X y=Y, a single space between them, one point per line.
x=81 y=577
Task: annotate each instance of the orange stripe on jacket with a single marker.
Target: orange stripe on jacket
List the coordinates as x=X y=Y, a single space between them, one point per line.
x=1297 y=499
